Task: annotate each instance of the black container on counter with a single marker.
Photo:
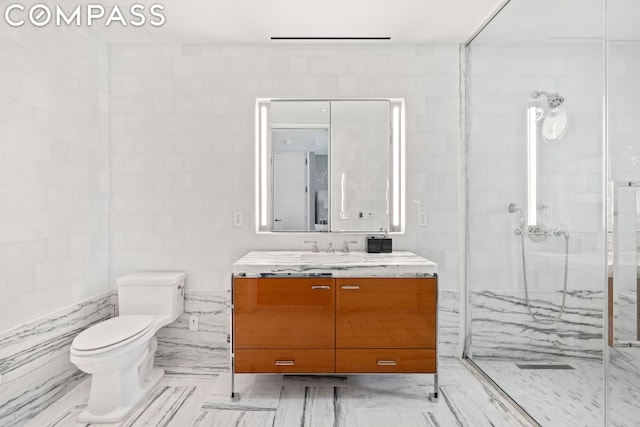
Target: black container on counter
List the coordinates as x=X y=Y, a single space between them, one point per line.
x=376 y=245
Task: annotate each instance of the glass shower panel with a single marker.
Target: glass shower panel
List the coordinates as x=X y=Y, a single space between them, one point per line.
x=536 y=254
x=623 y=107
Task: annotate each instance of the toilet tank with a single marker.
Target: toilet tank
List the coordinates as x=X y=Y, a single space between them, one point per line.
x=159 y=293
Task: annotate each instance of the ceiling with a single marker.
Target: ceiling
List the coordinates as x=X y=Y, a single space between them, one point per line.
x=572 y=21
x=251 y=21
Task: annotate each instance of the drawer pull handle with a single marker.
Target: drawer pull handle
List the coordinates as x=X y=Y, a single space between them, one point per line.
x=387 y=363
x=285 y=362
x=316 y=287
x=350 y=287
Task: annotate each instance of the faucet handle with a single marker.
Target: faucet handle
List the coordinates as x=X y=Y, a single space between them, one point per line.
x=345 y=246
x=315 y=245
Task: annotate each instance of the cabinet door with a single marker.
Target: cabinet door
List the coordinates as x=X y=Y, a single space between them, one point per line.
x=284 y=313
x=386 y=313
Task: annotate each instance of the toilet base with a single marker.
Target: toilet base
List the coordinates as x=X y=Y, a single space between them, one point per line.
x=118 y=414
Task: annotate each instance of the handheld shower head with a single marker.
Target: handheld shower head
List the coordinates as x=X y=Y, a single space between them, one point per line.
x=554 y=100
x=513 y=208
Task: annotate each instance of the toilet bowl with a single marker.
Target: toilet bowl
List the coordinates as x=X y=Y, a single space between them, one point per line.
x=119 y=352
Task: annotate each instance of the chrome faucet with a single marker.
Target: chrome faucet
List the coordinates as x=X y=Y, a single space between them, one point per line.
x=315 y=245
x=345 y=246
x=330 y=249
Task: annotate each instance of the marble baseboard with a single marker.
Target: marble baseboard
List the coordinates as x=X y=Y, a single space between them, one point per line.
x=626 y=317
x=34 y=359
x=449 y=324
x=502 y=327
x=205 y=351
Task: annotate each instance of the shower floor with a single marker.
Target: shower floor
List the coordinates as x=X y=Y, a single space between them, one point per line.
x=570 y=397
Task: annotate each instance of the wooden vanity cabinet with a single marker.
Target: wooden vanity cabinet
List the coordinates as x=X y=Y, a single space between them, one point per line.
x=284 y=325
x=326 y=325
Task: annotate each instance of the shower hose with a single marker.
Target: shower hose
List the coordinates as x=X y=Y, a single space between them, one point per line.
x=526 y=286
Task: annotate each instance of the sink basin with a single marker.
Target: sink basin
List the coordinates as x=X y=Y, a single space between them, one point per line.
x=323 y=257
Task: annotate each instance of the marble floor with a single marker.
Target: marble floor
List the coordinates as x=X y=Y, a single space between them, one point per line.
x=276 y=400
x=572 y=397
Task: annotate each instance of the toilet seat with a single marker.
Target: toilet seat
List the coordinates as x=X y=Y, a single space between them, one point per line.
x=111 y=334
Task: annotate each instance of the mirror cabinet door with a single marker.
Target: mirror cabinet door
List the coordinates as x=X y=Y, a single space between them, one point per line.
x=360 y=153
x=300 y=166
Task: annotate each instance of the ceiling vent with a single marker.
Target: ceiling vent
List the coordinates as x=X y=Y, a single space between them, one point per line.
x=331 y=38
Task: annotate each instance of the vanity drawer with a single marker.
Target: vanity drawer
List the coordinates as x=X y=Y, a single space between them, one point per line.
x=386 y=361
x=386 y=313
x=285 y=361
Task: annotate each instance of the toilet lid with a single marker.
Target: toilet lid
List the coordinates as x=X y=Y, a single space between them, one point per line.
x=112 y=331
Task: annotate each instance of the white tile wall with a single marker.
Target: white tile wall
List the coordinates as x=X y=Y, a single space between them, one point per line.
x=502 y=78
x=182 y=146
x=54 y=138
x=624 y=109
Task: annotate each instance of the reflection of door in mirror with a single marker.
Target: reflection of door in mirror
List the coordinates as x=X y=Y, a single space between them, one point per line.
x=300 y=184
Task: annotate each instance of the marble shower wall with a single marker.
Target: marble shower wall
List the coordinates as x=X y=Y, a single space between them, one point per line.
x=34 y=359
x=502 y=78
x=503 y=328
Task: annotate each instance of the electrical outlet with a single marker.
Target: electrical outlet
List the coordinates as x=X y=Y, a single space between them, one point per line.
x=193 y=323
x=422 y=218
x=238 y=218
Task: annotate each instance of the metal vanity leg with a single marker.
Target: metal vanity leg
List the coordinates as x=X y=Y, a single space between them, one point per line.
x=234 y=396
x=434 y=396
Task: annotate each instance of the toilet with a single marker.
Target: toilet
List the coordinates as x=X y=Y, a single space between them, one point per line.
x=119 y=352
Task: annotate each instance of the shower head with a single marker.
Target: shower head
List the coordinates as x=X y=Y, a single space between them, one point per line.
x=514 y=208
x=554 y=100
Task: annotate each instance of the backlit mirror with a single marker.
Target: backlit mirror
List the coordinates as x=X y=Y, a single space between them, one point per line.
x=329 y=165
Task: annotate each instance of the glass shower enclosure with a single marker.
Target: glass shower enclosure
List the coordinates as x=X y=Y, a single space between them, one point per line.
x=552 y=106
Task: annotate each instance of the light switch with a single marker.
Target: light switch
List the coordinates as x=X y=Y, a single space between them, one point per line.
x=422 y=218
x=238 y=218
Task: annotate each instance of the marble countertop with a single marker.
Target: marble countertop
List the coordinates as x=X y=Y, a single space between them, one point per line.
x=338 y=264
